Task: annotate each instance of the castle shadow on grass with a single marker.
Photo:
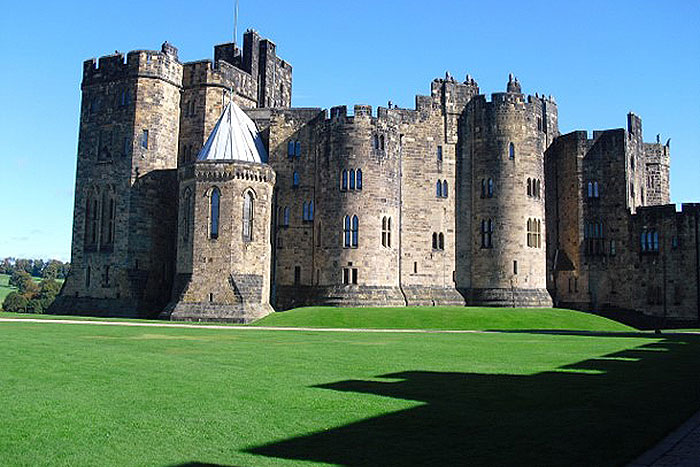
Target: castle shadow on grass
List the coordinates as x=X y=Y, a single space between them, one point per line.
x=601 y=411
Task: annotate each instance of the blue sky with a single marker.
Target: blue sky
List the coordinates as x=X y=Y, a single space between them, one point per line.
x=600 y=59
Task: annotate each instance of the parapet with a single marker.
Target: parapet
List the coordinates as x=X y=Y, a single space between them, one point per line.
x=148 y=63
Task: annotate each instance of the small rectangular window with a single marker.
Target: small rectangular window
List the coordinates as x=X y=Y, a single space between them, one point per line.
x=144 y=139
x=439 y=153
x=354 y=276
x=515 y=267
x=415 y=267
x=346 y=276
x=297 y=275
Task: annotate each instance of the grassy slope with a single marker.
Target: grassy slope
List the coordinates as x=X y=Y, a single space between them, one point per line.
x=78 y=395
x=443 y=318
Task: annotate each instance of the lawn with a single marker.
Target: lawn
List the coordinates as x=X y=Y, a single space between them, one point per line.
x=475 y=318
x=96 y=395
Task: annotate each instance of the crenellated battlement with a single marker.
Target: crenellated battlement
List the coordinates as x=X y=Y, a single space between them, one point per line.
x=162 y=64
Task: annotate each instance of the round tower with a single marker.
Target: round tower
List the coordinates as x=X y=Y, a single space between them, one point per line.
x=357 y=249
x=224 y=219
x=506 y=143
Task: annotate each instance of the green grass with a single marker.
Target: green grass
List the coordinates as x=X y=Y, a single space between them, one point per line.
x=96 y=395
x=473 y=318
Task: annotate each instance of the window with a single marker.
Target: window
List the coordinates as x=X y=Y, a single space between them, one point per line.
x=486 y=233
x=489 y=192
x=295 y=180
x=248 y=217
x=483 y=188
x=511 y=151
x=355 y=230
x=674 y=242
x=632 y=189
x=435 y=241
x=346 y=232
x=438 y=189
x=386 y=232
x=214 y=213
x=92 y=220
x=515 y=267
x=344 y=180
x=297 y=149
x=649 y=241
x=350 y=276
x=297 y=275
x=375 y=141
x=529 y=187
x=285 y=218
x=144 y=139
x=381 y=148
x=359 y=179
x=444 y=189
x=105 y=277
x=593 y=189
x=88 y=272
x=441 y=241
x=108 y=214
x=308 y=211
x=290 y=149
x=613 y=249
x=534 y=236
x=439 y=153
x=415 y=267
x=594 y=238
x=352 y=179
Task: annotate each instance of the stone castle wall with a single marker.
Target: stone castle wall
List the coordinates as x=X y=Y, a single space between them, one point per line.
x=447 y=212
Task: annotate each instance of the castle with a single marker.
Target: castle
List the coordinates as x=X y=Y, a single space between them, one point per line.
x=189 y=208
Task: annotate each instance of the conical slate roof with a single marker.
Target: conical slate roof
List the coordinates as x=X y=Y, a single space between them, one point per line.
x=234 y=137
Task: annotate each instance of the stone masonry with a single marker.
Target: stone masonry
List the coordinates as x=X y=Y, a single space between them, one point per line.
x=463 y=200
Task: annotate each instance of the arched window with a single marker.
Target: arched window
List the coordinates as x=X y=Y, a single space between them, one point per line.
x=486 y=233
x=186 y=213
x=529 y=232
x=539 y=234
x=290 y=149
x=435 y=240
x=344 y=180
x=214 y=201
x=590 y=189
x=375 y=141
x=297 y=149
x=248 y=217
x=285 y=218
x=539 y=186
x=438 y=189
x=490 y=188
x=490 y=234
x=359 y=179
x=483 y=188
x=511 y=151
x=444 y=189
x=311 y=211
x=441 y=241
x=352 y=179
x=92 y=219
x=305 y=212
x=355 y=231
x=346 y=231
x=295 y=179
x=595 y=189
x=381 y=143
x=656 y=241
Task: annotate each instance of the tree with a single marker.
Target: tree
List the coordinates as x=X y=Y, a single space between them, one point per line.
x=48 y=289
x=25 y=285
x=15 y=302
